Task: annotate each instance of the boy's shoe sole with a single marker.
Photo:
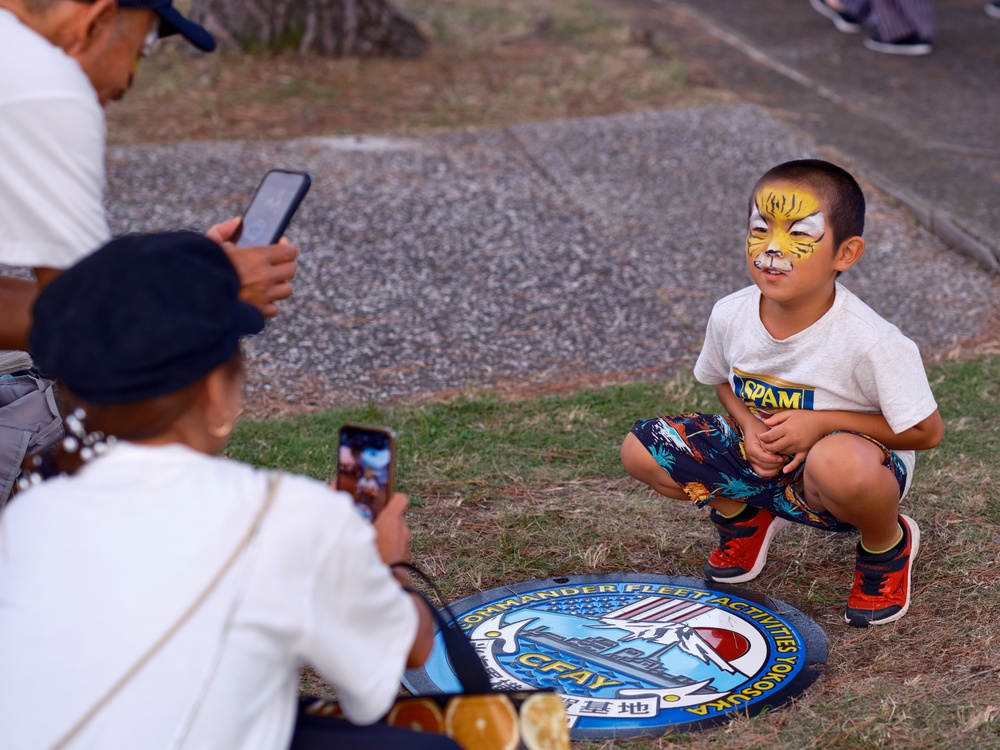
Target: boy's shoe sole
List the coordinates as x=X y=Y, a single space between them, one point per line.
x=876 y=606
x=992 y=10
x=841 y=21
x=745 y=534
x=907 y=48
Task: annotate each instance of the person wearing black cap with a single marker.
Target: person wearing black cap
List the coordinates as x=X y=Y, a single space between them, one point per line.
x=61 y=61
x=155 y=594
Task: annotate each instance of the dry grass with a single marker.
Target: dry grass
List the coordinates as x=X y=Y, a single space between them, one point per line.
x=493 y=63
x=929 y=680
x=500 y=494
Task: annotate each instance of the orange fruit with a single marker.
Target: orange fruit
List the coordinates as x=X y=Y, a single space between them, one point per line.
x=543 y=723
x=482 y=722
x=418 y=714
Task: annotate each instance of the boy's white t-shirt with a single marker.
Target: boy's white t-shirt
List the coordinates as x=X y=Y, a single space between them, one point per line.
x=851 y=359
x=52 y=135
x=95 y=568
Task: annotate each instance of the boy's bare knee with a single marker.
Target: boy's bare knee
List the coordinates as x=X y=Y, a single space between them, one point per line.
x=845 y=466
x=844 y=456
x=638 y=462
x=642 y=466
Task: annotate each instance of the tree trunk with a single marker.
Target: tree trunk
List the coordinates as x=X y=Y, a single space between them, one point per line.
x=333 y=28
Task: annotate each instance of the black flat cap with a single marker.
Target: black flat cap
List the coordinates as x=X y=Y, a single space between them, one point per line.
x=143 y=316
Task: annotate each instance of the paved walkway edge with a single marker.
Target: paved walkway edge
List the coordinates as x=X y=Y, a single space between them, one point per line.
x=941 y=222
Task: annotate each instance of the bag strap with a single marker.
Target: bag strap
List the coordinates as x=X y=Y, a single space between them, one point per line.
x=273 y=482
x=462 y=656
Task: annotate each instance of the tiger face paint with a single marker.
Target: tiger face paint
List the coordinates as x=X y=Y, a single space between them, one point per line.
x=786 y=226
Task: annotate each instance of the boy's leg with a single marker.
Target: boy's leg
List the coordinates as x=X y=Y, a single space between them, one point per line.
x=641 y=465
x=846 y=476
x=745 y=532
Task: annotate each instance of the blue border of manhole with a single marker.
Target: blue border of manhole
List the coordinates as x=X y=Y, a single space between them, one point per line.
x=635 y=654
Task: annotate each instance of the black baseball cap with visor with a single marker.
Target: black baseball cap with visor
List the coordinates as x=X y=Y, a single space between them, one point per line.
x=172 y=22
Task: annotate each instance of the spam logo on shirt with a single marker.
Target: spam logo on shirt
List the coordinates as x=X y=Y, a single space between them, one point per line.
x=771 y=394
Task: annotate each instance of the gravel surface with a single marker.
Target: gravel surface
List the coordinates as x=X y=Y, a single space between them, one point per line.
x=574 y=252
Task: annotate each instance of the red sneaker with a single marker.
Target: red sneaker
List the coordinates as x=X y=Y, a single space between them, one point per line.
x=881 y=591
x=743 y=545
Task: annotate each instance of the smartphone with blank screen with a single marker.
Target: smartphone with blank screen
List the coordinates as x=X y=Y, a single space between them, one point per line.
x=366 y=466
x=272 y=207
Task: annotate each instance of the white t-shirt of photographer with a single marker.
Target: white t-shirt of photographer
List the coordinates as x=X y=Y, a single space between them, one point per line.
x=95 y=568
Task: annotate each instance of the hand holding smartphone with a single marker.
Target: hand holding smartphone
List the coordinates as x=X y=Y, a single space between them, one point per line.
x=271 y=209
x=366 y=466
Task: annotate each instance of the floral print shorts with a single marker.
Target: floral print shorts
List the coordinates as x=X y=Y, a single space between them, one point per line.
x=704 y=454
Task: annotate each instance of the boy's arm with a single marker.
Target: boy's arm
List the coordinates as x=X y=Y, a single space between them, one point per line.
x=763 y=460
x=795 y=431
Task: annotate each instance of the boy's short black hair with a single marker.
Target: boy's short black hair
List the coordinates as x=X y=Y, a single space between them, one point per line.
x=834 y=184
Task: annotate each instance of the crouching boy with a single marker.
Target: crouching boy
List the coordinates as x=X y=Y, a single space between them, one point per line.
x=803 y=368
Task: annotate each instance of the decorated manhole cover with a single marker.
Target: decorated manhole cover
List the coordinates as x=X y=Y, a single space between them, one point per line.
x=636 y=654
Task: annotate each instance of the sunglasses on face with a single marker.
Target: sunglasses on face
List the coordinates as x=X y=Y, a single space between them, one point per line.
x=151 y=39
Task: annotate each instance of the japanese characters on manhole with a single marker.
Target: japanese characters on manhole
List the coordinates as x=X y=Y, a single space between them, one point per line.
x=636 y=654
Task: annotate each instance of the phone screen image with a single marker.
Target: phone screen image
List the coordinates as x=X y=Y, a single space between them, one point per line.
x=272 y=207
x=365 y=466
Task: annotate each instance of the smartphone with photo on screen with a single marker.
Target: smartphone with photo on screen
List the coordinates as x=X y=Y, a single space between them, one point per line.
x=271 y=209
x=366 y=466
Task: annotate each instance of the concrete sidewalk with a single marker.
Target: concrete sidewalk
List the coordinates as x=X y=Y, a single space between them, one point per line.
x=926 y=130
x=569 y=253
